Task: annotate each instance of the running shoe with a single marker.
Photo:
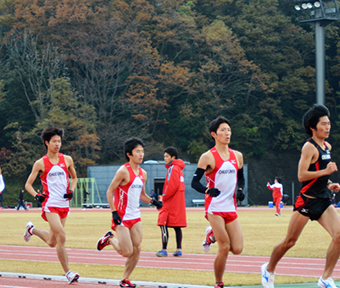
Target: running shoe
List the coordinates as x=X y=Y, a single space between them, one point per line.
x=328 y=283
x=104 y=241
x=219 y=285
x=267 y=277
x=127 y=283
x=162 y=253
x=177 y=253
x=29 y=231
x=72 y=277
x=209 y=239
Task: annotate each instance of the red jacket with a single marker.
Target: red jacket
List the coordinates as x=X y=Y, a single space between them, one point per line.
x=173 y=212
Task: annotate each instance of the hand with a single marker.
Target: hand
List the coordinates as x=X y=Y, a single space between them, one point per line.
x=40 y=197
x=213 y=192
x=116 y=218
x=240 y=195
x=157 y=203
x=334 y=187
x=331 y=167
x=69 y=195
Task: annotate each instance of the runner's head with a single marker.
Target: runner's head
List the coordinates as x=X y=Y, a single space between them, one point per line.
x=49 y=132
x=312 y=116
x=131 y=144
x=215 y=124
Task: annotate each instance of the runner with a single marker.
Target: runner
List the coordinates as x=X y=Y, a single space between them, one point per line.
x=128 y=186
x=313 y=203
x=54 y=169
x=223 y=168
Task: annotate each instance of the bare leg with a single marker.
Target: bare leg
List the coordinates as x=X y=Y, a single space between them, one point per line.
x=331 y=222
x=229 y=238
x=57 y=233
x=296 y=224
x=132 y=260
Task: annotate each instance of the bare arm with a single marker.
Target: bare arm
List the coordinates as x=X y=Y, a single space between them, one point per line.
x=72 y=172
x=309 y=155
x=36 y=169
x=122 y=175
x=143 y=196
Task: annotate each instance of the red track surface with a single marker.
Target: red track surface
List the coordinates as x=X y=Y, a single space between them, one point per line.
x=305 y=267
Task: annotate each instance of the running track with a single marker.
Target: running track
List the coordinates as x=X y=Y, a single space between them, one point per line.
x=288 y=266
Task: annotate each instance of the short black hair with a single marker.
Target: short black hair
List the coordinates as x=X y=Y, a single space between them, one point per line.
x=131 y=144
x=172 y=151
x=311 y=118
x=278 y=179
x=214 y=124
x=49 y=132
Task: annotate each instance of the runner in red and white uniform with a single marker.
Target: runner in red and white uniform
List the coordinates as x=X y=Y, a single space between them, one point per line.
x=223 y=168
x=315 y=167
x=277 y=189
x=54 y=169
x=128 y=187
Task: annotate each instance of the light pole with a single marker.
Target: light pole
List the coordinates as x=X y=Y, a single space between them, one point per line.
x=318 y=13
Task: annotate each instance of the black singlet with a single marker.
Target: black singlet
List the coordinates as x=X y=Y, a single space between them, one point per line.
x=318 y=187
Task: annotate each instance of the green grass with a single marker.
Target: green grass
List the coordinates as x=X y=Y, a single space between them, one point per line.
x=261 y=229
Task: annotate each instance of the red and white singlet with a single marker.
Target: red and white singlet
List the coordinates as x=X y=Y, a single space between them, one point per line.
x=224 y=178
x=55 y=183
x=126 y=197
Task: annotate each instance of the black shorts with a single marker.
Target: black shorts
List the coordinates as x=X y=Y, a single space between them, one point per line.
x=310 y=207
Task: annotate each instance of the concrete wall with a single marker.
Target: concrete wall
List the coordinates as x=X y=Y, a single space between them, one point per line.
x=156 y=173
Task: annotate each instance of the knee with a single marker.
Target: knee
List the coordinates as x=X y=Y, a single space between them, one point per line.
x=127 y=251
x=224 y=247
x=289 y=243
x=236 y=250
x=336 y=239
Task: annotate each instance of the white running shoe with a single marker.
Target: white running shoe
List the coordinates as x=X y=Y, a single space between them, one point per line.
x=28 y=234
x=209 y=239
x=72 y=277
x=267 y=277
x=328 y=283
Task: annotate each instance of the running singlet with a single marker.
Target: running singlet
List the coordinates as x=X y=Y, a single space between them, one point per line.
x=126 y=198
x=55 y=182
x=318 y=187
x=224 y=178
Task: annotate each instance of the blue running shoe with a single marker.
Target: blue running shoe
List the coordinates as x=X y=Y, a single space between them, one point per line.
x=162 y=253
x=177 y=253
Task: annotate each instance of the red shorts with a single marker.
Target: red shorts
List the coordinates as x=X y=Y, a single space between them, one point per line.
x=62 y=212
x=227 y=216
x=127 y=223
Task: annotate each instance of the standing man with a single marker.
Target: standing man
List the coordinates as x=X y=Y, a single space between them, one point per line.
x=223 y=168
x=277 y=189
x=2 y=188
x=128 y=186
x=21 y=201
x=54 y=169
x=313 y=203
x=173 y=212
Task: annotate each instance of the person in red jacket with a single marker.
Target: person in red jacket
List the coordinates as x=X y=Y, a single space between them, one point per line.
x=277 y=189
x=173 y=213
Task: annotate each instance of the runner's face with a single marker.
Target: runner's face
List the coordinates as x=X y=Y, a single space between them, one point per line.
x=223 y=134
x=323 y=128
x=168 y=158
x=54 y=144
x=137 y=155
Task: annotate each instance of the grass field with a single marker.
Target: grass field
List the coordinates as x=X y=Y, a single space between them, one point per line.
x=261 y=229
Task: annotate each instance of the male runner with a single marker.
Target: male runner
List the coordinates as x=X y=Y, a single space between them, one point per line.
x=54 y=169
x=313 y=203
x=223 y=168
x=128 y=186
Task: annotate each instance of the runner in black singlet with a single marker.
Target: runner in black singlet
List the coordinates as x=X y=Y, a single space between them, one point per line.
x=315 y=167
